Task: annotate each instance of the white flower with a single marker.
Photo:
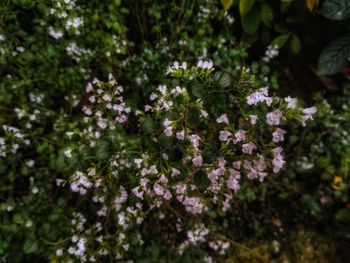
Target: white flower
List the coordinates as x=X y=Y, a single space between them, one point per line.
x=253 y=119
x=308 y=112
x=292 y=102
x=167 y=122
x=68 y=153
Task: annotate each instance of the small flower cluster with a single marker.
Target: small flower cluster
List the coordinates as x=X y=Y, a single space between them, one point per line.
x=195 y=237
x=12 y=140
x=271 y=52
x=106 y=108
x=181 y=70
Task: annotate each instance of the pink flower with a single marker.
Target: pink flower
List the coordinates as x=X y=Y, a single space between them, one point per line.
x=167 y=195
x=158 y=189
x=260 y=165
x=222 y=162
x=308 y=115
x=292 y=102
x=204 y=114
x=223 y=119
x=277 y=161
x=177 y=91
x=148 y=108
x=181 y=188
x=224 y=136
x=89 y=87
x=278 y=135
x=274 y=117
x=195 y=140
x=138 y=162
x=193 y=205
x=168 y=131
x=153 y=170
x=277 y=150
x=253 y=119
x=162 y=89
x=310 y=111
x=136 y=191
x=248 y=148
x=239 y=136
x=259 y=96
x=197 y=161
x=163 y=179
x=153 y=96
x=167 y=122
x=144 y=182
x=236 y=165
x=233 y=183
x=180 y=135
x=174 y=172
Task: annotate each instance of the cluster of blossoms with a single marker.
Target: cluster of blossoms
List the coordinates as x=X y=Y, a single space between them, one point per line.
x=220 y=246
x=195 y=237
x=12 y=140
x=181 y=70
x=149 y=172
x=78 y=52
x=106 y=108
x=271 y=52
x=65 y=10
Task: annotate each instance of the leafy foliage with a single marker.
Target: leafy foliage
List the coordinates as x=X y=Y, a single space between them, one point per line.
x=336 y=9
x=335 y=56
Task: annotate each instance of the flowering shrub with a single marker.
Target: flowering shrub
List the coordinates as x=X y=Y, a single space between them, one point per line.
x=185 y=154
x=173 y=167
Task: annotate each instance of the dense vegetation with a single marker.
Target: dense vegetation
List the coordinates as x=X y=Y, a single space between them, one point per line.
x=174 y=131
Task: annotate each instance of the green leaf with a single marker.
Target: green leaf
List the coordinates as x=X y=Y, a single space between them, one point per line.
x=194 y=119
x=223 y=79
x=30 y=246
x=281 y=40
x=251 y=21
x=285 y=5
x=198 y=89
x=250 y=39
x=201 y=180
x=165 y=141
x=226 y=4
x=265 y=36
x=281 y=28
x=103 y=149
x=245 y=6
x=336 y=9
x=334 y=56
x=266 y=14
x=148 y=126
x=295 y=44
x=343 y=215
x=322 y=162
x=177 y=153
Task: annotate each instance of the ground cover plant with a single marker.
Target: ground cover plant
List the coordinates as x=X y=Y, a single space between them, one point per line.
x=152 y=131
